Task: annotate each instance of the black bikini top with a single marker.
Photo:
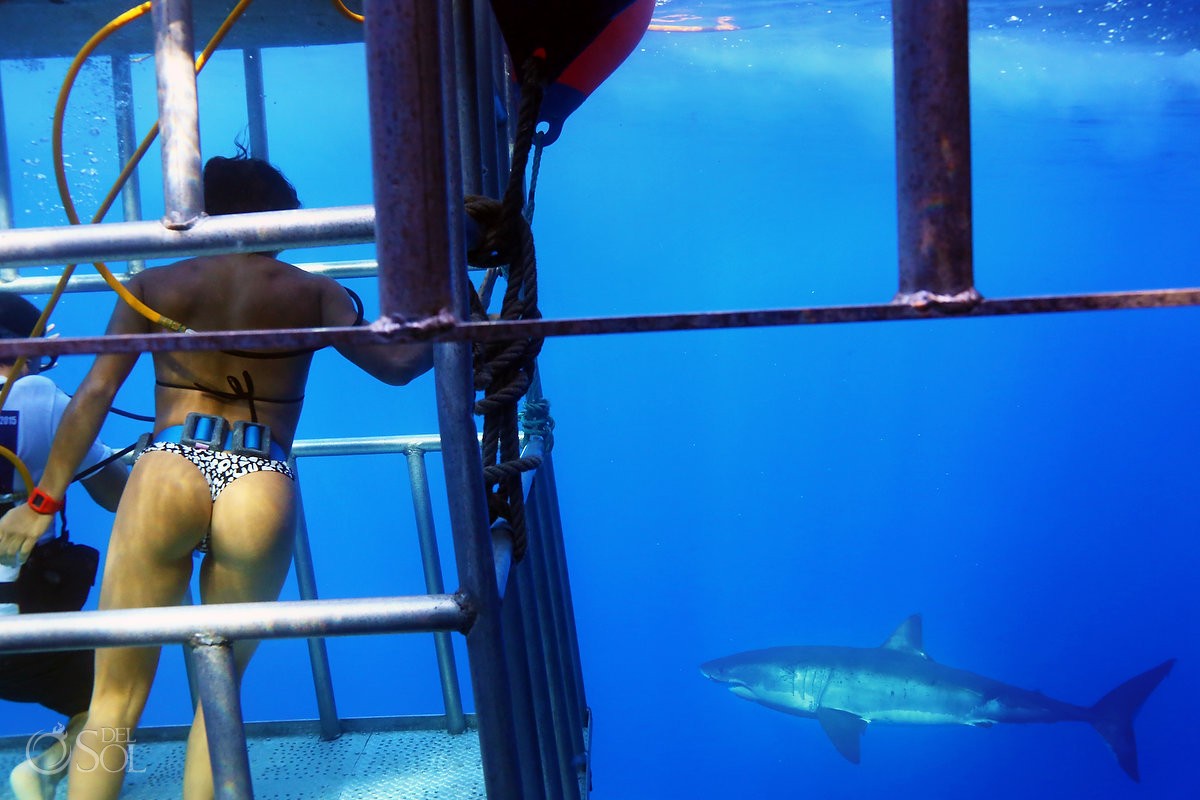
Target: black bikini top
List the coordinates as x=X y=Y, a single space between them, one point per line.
x=244 y=389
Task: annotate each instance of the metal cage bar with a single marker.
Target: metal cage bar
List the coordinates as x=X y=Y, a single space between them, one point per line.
x=524 y=709
x=933 y=148
x=134 y=627
x=131 y=192
x=409 y=152
x=534 y=640
x=318 y=653
x=6 y=203
x=338 y=270
x=440 y=330
x=212 y=657
x=564 y=663
x=423 y=273
x=178 y=112
x=230 y=233
x=256 y=108
x=552 y=533
x=431 y=563
x=562 y=733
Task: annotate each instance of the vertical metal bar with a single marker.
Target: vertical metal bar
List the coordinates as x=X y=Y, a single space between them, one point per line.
x=456 y=721
x=476 y=568
x=318 y=653
x=541 y=544
x=213 y=657
x=188 y=667
x=409 y=150
x=178 y=112
x=487 y=61
x=564 y=720
x=463 y=464
x=523 y=709
x=552 y=757
x=933 y=149
x=256 y=109
x=6 y=205
x=131 y=192
x=466 y=103
x=556 y=554
x=422 y=272
x=547 y=535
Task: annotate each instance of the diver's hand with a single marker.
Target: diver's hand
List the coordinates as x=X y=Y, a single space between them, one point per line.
x=20 y=530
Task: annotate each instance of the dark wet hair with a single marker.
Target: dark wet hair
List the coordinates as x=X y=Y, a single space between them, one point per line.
x=17 y=316
x=243 y=184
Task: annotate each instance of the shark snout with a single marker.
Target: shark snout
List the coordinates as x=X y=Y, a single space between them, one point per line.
x=711 y=670
x=718 y=671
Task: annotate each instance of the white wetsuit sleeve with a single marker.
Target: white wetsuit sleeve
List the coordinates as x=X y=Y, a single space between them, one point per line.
x=97 y=452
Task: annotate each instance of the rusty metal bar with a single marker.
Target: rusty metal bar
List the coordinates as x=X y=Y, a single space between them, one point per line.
x=230 y=233
x=443 y=330
x=933 y=149
x=407 y=147
x=463 y=467
x=422 y=272
x=178 y=112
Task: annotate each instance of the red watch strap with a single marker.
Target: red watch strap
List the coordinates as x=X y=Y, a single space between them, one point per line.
x=43 y=503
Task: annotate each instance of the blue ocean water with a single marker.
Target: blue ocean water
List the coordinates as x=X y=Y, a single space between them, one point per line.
x=1027 y=484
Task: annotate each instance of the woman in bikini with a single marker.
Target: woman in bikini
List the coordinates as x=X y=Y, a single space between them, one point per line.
x=195 y=487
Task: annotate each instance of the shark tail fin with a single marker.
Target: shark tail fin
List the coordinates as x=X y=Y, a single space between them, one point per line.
x=1113 y=715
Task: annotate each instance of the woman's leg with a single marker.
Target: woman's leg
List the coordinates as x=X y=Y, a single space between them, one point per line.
x=164 y=513
x=37 y=778
x=250 y=551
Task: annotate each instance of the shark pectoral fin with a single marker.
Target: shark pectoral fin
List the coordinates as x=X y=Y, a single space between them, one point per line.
x=844 y=730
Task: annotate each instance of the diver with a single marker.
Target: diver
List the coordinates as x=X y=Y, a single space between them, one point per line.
x=60 y=681
x=215 y=477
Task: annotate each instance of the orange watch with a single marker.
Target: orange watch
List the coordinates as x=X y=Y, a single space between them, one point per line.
x=43 y=503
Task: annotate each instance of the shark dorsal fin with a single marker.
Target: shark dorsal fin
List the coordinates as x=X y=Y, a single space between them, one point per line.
x=907 y=638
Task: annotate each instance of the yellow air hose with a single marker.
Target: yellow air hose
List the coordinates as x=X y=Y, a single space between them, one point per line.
x=347 y=13
x=64 y=191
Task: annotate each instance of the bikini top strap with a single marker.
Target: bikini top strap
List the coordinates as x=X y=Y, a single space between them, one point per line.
x=358 y=305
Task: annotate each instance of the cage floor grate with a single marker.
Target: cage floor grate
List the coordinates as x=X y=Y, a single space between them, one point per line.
x=359 y=765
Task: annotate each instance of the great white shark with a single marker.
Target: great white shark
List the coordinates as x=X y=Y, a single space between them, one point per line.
x=844 y=688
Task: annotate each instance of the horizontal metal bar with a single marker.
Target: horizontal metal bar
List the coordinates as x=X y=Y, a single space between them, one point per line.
x=230 y=233
x=236 y=621
x=443 y=329
x=45 y=284
x=366 y=445
x=57 y=29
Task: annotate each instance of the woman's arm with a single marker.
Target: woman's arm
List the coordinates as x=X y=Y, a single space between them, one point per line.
x=21 y=527
x=394 y=364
